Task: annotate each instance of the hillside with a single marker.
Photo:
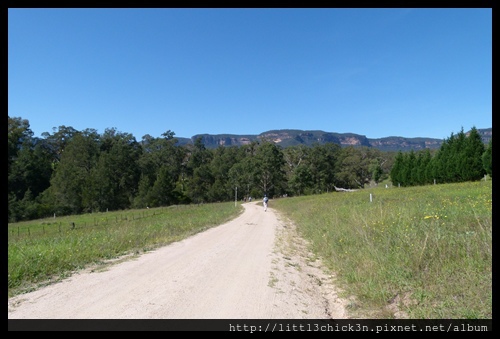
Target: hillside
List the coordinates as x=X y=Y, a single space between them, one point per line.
x=293 y=137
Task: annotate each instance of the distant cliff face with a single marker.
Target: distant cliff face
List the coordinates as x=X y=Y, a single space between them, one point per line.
x=289 y=137
x=405 y=144
x=213 y=141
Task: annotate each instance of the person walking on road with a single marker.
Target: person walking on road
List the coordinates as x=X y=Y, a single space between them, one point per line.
x=264 y=202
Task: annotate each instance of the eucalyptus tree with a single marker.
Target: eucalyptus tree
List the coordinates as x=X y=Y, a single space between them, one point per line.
x=323 y=166
x=224 y=158
x=200 y=177
x=242 y=177
x=171 y=162
x=353 y=166
x=116 y=174
x=251 y=148
x=19 y=133
x=380 y=164
x=246 y=170
x=72 y=189
x=19 y=138
x=376 y=170
x=294 y=156
x=57 y=141
x=33 y=170
x=386 y=161
x=160 y=167
x=301 y=180
x=29 y=171
x=200 y=184
x=269 y=169
x=297 y=170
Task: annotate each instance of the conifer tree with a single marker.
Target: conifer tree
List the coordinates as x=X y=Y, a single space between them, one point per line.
x=472 y=167
x=487 y=160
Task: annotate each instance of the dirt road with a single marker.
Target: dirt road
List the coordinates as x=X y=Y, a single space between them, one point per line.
x=253 y=267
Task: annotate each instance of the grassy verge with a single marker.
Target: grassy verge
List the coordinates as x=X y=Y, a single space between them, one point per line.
x=425 y=251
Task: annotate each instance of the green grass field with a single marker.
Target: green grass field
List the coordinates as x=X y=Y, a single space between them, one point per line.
x=426 y=251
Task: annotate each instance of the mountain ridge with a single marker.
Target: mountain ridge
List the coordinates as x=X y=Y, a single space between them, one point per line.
x=294 y=137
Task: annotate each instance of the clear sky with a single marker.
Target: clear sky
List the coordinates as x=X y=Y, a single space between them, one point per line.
x=378 y=72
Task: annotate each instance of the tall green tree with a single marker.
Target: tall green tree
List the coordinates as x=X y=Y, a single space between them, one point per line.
x=376 y=170
x=487 y=160
x=458 y=158
x=161 y=164
x=19 y=133
x=29 y=171
x=322 y=166
x=410 y=163
x=19 y=155
x=396 y=172
x=296 y=169
x=200 y=177
x=117 y=172
x=349 y=162
x=71 y=182
x=301 y=180
x=294 y=156
x=353 y=165
x=161 y=194
x=472 y=163
x=423 y=170
x=223 y=159
x=32 y=172
x=269 y=169
x=242 y=177
x=58 y=141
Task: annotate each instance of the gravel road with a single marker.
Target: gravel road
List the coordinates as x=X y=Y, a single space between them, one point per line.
x=253 y=267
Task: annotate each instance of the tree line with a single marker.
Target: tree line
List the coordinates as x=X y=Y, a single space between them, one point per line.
x=72 y=172
x=460 y=158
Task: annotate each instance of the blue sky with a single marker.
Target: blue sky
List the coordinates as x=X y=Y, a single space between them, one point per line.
x=376 y=72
